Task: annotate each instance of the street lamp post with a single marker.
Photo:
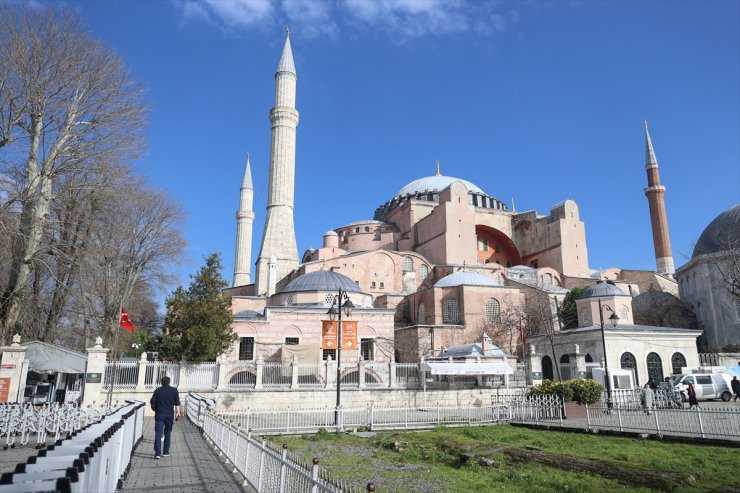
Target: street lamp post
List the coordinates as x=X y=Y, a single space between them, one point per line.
x=614 y=318
x=341 y=303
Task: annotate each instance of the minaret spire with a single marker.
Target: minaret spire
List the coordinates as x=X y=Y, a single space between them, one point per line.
x=279 y=251
x=438 y=173
x=655 y=193
x=244 y=219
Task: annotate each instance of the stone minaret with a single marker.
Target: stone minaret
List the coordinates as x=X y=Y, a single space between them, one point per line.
x=278 y=239
x=244 y=219
x=655 y=193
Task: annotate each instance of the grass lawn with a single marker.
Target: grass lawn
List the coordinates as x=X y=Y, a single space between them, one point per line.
x=505 y=458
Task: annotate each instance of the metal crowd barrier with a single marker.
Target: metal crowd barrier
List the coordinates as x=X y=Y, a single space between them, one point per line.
x=95 y=458
x=22 y=422
x=197 y=407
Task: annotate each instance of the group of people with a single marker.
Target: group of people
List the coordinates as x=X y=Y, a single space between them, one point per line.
x=650 y=386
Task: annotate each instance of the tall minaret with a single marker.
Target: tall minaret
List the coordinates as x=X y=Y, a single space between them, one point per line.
x=655 y=193
x=278 y=239
x=244 y=219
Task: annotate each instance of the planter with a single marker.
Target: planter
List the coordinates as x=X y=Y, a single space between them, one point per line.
x=574 y=410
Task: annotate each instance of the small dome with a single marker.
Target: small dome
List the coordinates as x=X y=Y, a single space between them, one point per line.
x=471 y=350
x=435 y=184
x=465 y=279
x=322 y=280
x=331 y=232
x=602 y=289
x=721 y=234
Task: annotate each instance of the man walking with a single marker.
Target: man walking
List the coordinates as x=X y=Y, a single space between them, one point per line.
x=165 y=403
x=735 y=388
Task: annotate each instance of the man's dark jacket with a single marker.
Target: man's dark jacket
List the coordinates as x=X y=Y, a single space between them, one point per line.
x=164 y=400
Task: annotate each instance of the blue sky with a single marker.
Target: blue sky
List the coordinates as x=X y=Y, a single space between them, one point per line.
x=535 y=101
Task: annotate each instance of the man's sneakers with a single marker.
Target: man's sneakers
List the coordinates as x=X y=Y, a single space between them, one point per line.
x=166 y=454
x=156 y=457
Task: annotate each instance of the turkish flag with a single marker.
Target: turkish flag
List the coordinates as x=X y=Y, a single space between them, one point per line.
x=125 y=321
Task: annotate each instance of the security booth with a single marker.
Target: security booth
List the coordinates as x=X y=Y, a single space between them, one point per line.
x=55 y=374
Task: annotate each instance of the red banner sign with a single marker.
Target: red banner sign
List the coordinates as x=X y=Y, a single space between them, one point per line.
x=4 y=389
x=329 y=334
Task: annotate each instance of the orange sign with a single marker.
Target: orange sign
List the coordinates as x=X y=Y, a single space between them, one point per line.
x=329 y=334
x=4 y=389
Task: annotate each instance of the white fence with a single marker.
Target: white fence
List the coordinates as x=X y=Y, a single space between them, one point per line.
x=22 y=423
x=264 y=467
x=75 y=466
x=246 y=375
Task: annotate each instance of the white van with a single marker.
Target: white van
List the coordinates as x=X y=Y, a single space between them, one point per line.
x=707 y=386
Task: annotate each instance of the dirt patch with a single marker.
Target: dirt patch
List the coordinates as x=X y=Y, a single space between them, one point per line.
x=626 y=475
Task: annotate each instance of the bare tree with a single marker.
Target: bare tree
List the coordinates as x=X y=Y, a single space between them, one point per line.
x=661 y=309
x=541 y=317
x=66 y=103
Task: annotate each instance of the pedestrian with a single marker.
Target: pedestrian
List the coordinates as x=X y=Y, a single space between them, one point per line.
x=165 y=403
x=651 y=383
x=735 y=388
x=692 y=396
x=647 y=398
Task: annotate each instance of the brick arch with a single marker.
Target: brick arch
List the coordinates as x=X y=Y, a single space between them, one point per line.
x=507 y=250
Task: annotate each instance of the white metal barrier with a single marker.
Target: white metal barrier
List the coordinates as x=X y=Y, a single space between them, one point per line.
x=22 y=423
x=95 y=458
x=264 y=467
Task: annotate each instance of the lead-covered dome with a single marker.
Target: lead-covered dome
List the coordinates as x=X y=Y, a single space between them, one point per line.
x=435 y=183
x=465 y=279
x=428 y=189
x=601 y=290
x=322 y=280
x=723 y=233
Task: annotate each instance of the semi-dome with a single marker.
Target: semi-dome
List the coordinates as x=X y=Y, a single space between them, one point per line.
x=465 y=279
x=435 y=183
x=322 y=280
x=601 y=290
x=723 y=233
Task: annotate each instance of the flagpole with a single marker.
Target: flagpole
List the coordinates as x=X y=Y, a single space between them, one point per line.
x=114 y=380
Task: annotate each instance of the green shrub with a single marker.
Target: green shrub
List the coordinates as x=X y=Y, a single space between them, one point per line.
x=585 y=391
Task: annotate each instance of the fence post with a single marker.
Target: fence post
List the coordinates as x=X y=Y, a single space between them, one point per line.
x=361 y=374
x=657 y=424
x=141 y=380
x=619 y=419
x=701 y=425
x=588 y=418
x=315 y=475
x=222 y=368
x=370 y=416
x=262 y=465
x=95 y=373
x=282 y=468
x=327 y=374
x=258 y=373
x=294 y=372
x=392 y=383
x=246 y=457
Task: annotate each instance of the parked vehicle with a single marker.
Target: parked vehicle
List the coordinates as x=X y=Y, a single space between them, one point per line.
x=707 y=386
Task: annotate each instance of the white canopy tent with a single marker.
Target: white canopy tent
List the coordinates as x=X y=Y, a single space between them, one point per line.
x=452 y=368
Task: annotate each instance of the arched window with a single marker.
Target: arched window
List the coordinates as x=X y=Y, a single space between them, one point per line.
x=586 y=316
x=408 y=264
x=493 y=311
x=546 y=368
x=678 y=361
x=422 y=316
x=423 y=272
x=623 y=313
x=655 y=367
x=628 y=362
x=565 y=358
x=589 y=358
x=450 y=312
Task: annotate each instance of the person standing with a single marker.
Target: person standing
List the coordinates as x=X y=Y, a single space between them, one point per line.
x=165 y=403
x=691 y=391
x=735 y=388
x=647 y=398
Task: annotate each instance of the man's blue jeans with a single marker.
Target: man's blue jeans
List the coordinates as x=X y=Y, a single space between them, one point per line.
x=162 y=422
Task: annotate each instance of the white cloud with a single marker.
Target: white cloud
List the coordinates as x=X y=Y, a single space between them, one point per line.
x=400 y=19
x=313 y=18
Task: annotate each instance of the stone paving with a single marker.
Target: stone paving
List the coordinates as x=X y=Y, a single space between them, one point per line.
x=193 y=467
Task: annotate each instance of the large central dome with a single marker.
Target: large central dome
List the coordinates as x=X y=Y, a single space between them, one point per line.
x=428 y=189
x=435 y=183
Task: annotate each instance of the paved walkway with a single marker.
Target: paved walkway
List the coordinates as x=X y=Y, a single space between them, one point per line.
x=193 y=467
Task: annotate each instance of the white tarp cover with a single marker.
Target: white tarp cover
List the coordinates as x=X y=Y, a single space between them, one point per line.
x=46 y=358
x=442 y=368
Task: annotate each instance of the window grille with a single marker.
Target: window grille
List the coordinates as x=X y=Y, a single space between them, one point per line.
x=289 y=301
x=328 y=299
x=408 y=264
x=246 y=348
x=366 y=349
x=678 y=361
x=493 y=310
x=422 y=314
x=655 y=367
x=424 y=271
x=291 y=341
x=623 y=313
x=450 y=312
x=327 y=353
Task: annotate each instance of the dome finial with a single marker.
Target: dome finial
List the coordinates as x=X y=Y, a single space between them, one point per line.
x=287 y=31
x=438 y=173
